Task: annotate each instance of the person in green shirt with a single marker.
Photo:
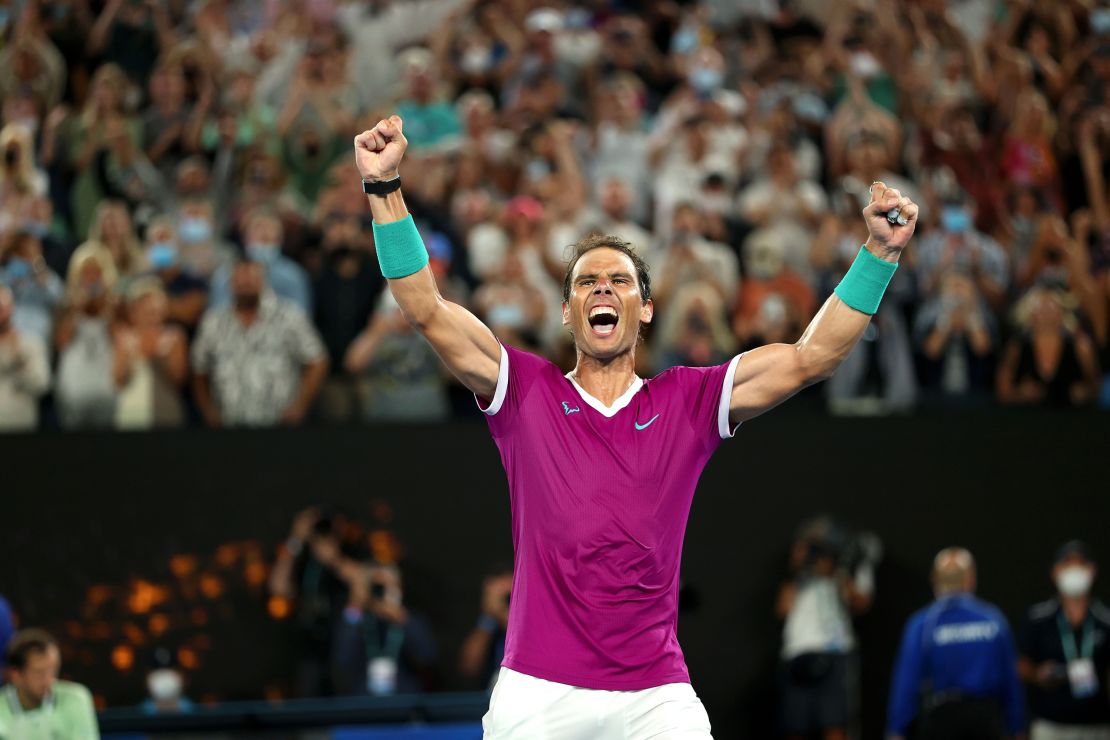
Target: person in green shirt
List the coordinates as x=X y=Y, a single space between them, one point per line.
x=34 y=704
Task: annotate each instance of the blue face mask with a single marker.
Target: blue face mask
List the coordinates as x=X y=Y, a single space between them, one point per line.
x=37 y=229
x=955 y=219
x=706 y=80
x=194 y=230
x=162 y=255
x=508 y=315
x=685 y=40
x=1100 y=21
x=265 y=253
x=18 y=269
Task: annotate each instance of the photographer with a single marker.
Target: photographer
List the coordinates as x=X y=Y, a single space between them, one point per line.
x=484 y=648
x=832 y=579
x=381 y=646
x=307 y=571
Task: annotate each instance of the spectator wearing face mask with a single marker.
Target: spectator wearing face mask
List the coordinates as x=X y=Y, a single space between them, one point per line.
x=36 y=705
x=36 y=289
x=201 y=252
x=165 y=686
x=262 y=233
x=1065 y=654
x=24 y=374
x=186 y=294
x=257 y=361
x=956 y=670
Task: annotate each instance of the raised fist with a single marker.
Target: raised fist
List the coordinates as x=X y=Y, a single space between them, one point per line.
x=883 y=232
x=378 y=151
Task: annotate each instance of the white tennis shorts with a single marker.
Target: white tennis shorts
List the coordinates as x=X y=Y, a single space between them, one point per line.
x=528 y=708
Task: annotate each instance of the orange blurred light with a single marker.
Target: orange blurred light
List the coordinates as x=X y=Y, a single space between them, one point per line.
x=211 y=586
x=188 y=658
x=278 y=607
x=123 y=658
x=183 y=565
x=145 y=595
x=227 y=554
x=133 y=634
x=158 y=624
x=255 y=573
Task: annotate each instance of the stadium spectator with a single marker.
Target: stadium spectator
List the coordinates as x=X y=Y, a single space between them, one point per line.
x=85 y=390
x=381 y=645
x=397 y=375
x=36 y=289
x=484 y=648
x=112 y=230
x=263 y=241
x=165 y=686
x=955 y=676
x=258 y=361
x=186 y=294
x=819 y=643
x=1051 y=360
x=202 y=254
x=35 y=704
x=24 y=371
x=151 y=361
x=1065 y=654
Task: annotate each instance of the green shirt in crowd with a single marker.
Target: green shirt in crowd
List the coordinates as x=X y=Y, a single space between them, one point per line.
x=67 y=714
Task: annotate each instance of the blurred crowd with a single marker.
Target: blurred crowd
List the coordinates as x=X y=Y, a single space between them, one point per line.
x=183 y=237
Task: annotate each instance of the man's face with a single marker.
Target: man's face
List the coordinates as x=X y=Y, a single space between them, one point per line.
x=604 y=284
x=247 y=280
x=37 y=678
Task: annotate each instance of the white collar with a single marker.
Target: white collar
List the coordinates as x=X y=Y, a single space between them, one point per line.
x=609 y=411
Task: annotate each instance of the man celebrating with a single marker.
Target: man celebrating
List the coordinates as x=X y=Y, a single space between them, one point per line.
x=602 y=464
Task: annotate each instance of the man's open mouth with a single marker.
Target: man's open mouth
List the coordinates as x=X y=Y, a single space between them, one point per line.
x=603 y=320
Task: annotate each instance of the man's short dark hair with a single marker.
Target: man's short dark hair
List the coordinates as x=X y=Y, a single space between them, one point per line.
x=26 y=643
x=597 y=241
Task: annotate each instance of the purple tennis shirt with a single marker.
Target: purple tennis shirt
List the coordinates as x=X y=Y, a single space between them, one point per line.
x=600 y=497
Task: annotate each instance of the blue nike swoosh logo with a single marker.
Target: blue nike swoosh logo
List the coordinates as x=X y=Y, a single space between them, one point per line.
x=648 y=424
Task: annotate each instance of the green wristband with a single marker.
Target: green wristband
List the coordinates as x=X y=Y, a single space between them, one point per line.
x=400 y=249
x=865 y=282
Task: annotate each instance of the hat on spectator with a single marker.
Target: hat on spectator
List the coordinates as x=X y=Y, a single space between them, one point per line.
x=1074 y=548
x=544 y=19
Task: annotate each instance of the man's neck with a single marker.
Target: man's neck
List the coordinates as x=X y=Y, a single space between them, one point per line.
x=28 y=703
x=605 y=380
x=1075 y=609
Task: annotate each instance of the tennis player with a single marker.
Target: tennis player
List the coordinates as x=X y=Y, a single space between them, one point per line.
x=602 y=464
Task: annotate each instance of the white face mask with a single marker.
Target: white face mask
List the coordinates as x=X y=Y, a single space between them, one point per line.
x=164 y=684
x=1074 y=580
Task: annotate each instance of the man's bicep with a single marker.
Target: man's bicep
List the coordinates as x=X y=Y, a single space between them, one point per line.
x=764 y=378
x=467 y=347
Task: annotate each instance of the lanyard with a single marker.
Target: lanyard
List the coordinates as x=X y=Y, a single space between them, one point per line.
x=375 y=647
x=1087 y=650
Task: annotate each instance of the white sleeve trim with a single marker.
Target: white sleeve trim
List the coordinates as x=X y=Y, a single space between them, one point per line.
x=502 y=386
x=726 y=430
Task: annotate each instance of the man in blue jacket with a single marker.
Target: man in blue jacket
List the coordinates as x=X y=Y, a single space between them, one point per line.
x=956 y=671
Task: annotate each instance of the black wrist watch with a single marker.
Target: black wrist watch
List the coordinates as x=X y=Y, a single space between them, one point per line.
x=381 y=187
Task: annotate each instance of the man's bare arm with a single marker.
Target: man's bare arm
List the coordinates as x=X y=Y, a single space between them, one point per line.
x=769 y=375
x=465 y=344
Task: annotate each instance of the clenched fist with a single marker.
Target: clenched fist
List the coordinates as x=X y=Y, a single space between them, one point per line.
x=891 y=237
x=378 y=151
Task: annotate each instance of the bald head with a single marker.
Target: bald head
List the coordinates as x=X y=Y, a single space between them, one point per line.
x=953 y=571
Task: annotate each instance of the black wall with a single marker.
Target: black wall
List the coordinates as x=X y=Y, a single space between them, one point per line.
x=79 y=510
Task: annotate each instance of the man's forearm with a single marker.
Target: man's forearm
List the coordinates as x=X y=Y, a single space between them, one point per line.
x=835 y=330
